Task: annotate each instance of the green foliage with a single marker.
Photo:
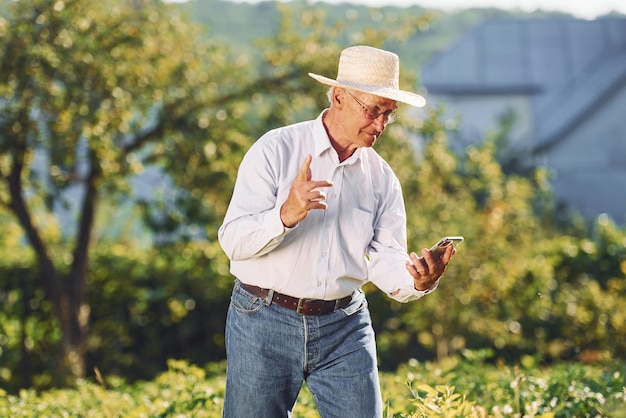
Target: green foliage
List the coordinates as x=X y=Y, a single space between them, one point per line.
x=93 y=95
x=182 y=391
x=512 y=286
x=470 y=388
x=175 y=306
x=139 y=88
x=240 y=24
x=454 y=388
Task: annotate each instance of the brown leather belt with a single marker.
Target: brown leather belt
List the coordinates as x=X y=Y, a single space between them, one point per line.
x=301 y=306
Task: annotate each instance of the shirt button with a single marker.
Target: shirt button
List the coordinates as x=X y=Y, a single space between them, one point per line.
x=323 y=254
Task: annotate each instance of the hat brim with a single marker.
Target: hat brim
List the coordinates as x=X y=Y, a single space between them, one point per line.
x=403 y=96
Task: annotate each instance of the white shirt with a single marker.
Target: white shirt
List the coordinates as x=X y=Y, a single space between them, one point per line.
x=360 y=237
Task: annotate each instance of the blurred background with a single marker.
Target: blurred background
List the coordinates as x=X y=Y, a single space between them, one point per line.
x=122 y=124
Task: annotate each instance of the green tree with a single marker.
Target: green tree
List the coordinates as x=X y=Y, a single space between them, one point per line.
x=95 y=93
x=493 y=286
x=522 y=283
x=92 y=92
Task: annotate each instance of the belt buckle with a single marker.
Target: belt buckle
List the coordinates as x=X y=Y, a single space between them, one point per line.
x=300 y=305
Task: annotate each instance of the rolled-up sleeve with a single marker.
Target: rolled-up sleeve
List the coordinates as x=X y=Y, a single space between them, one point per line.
x=252 y=226
x=388 y=253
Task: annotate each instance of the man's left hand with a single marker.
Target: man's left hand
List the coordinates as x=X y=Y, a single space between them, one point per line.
x=427 y=269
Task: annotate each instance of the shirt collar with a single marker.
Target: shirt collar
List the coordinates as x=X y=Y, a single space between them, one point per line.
x=320 y=136
x=322 y=141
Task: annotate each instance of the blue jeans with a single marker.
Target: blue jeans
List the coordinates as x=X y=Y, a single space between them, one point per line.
x=272 y=350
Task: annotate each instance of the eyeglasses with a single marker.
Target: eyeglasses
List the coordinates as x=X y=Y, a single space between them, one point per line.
x=374 y=112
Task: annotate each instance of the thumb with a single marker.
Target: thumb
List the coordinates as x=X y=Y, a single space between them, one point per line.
x=304 y=174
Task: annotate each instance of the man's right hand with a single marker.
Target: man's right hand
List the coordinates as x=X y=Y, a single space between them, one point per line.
x=303 y=196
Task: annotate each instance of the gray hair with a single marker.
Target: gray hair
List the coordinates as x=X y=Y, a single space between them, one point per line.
x=329 y=94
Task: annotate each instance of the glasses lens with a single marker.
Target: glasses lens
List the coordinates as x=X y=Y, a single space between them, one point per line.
x=375 y=112
x=372 y=112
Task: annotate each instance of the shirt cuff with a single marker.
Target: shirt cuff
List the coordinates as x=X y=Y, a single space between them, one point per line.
x=410 y=293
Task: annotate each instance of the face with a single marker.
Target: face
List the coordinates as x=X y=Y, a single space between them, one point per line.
x=356 y=110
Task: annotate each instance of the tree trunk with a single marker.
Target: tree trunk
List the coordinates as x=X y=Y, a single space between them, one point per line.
x=77 y=318
x=441 y=342
x=67 y=294
x=73 y=341
x=72 y=347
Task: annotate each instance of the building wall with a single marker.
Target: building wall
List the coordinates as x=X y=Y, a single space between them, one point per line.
x=481 y=114
x=589 y=165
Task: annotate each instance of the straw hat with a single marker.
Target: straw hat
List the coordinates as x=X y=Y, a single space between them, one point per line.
x=373 y=71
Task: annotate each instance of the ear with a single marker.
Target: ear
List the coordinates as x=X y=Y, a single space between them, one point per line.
x=338 y=95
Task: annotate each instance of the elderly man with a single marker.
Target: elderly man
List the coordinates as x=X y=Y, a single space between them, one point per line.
x=315 y=214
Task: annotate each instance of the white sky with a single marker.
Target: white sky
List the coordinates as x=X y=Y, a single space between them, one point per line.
x=586 y=9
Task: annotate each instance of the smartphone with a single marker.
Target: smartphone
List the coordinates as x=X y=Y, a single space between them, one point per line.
x=438 y=249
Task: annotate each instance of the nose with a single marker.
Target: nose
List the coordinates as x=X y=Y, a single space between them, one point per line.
x=380 y=122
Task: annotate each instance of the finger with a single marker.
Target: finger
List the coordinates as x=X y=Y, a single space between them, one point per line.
x=411 y=269
x=316 y=195
x=317 y=204
x=447 y=255
x=437 y=265
x=431 y=262
x=316 y=184
x=304 y=174
x=428 y=257
x=418 y=264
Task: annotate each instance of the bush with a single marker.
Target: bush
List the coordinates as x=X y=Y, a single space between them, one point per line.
x=453 y=388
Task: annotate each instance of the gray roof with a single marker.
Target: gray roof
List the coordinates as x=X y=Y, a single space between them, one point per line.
x=567 y=65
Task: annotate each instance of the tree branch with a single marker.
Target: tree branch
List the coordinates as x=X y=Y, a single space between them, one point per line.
x=21 y=211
